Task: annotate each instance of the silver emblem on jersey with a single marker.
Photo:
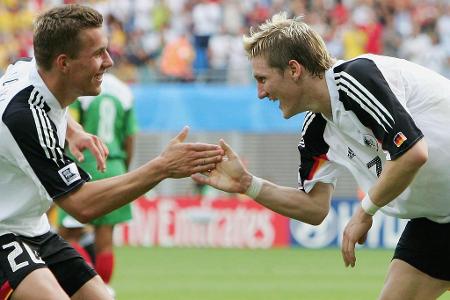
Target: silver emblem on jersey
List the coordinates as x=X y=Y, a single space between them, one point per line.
x=370 y=141
x=69 y=174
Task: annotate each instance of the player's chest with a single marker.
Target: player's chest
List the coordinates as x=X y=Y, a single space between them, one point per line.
x=353 y=144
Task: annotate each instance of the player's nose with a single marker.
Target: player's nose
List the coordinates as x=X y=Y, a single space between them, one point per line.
x=261 y=91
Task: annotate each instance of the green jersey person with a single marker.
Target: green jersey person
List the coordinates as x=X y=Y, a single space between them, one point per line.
x=111 y=117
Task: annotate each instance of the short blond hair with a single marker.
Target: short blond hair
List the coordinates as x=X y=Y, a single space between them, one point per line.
x=280 y=40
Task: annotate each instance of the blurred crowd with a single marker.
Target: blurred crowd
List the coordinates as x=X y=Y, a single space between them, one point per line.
x=200 y=40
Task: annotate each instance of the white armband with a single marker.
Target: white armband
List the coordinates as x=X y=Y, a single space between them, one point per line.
x=368 y=206
x=255 y=187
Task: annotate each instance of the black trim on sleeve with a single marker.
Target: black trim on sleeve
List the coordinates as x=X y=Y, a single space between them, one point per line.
x=364 y=91
x=312 y=146
x=36 y=135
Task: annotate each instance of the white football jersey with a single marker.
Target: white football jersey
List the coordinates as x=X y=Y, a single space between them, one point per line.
x=381 y=106
x=33 y=167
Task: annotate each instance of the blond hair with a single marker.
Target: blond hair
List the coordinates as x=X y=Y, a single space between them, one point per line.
x=281 y=39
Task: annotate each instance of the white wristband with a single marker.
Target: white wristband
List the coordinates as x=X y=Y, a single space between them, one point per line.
x=368 y=206
x=255 y=187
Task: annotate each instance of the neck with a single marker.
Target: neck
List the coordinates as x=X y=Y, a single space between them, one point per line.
x=321 y=97
x=57 y=87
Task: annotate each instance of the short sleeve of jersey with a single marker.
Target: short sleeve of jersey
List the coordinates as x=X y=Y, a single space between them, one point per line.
x=314 y=163
x=35 y=135
x=364 y=90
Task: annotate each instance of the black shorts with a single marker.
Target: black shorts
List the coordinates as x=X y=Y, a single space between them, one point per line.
x=425 y=245
x=20 y=255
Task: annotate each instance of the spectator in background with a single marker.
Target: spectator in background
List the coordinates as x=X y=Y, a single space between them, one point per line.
x=354 y=40
x=160 y=15
x=391 y=38
x=177 y=58
x=206 y=22
x=110 y=116
x=145 y=24
x=117 y=38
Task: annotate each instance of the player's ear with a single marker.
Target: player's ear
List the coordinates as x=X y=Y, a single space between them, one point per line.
x=295 y=69
x=62 y=63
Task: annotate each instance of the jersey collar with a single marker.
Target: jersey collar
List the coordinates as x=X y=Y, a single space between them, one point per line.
x=39 y=84
x=332 y=90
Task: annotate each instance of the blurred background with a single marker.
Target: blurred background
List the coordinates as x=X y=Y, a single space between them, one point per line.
x=185 y=63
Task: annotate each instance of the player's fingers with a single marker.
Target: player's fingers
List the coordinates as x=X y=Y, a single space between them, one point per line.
x=182 y=135
x=204 y=147
x=343 y=249
x=348 y=250
x=362 y=240
x=209 y=153
x=104 y=148
x=208 y=160
x=200 y=178
x=204 y=168
x=228 y=150
x=78 y=154
x=98 y=153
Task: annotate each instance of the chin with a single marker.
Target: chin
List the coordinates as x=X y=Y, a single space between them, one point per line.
x=94 y=92
x=287 y=115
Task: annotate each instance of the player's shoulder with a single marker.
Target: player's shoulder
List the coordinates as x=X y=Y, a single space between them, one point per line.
x=17 y=111
x=367 y=66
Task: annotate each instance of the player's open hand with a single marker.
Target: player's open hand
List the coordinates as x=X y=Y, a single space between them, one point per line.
x=182 y=159
x=79 y=140
x=355 y=232
x=228 y=174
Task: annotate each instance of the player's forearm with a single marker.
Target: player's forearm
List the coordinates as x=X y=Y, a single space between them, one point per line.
x=398 y=174
x=310 y=208
x=97 y=198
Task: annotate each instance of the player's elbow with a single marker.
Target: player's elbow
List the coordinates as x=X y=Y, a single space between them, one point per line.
x=419 y=156
x=318 y=217
x=314 y=217
x=84 y=215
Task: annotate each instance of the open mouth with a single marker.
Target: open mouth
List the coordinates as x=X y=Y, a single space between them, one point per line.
x=99 y=77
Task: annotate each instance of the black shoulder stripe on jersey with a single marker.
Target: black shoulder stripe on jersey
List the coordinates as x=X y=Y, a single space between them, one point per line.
x=27 y=120
x=312 y=145
x=364 y=91
x=48 y=139
x=37 y=138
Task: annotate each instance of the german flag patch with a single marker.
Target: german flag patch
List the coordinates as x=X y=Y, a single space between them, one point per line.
x=399 y=139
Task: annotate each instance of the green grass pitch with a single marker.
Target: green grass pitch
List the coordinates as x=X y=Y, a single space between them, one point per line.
x=244 y=274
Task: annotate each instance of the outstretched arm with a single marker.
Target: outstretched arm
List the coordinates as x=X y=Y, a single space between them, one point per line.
x=395 y=178
x=178 y=160
x=231 y=176
x=79 y=140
